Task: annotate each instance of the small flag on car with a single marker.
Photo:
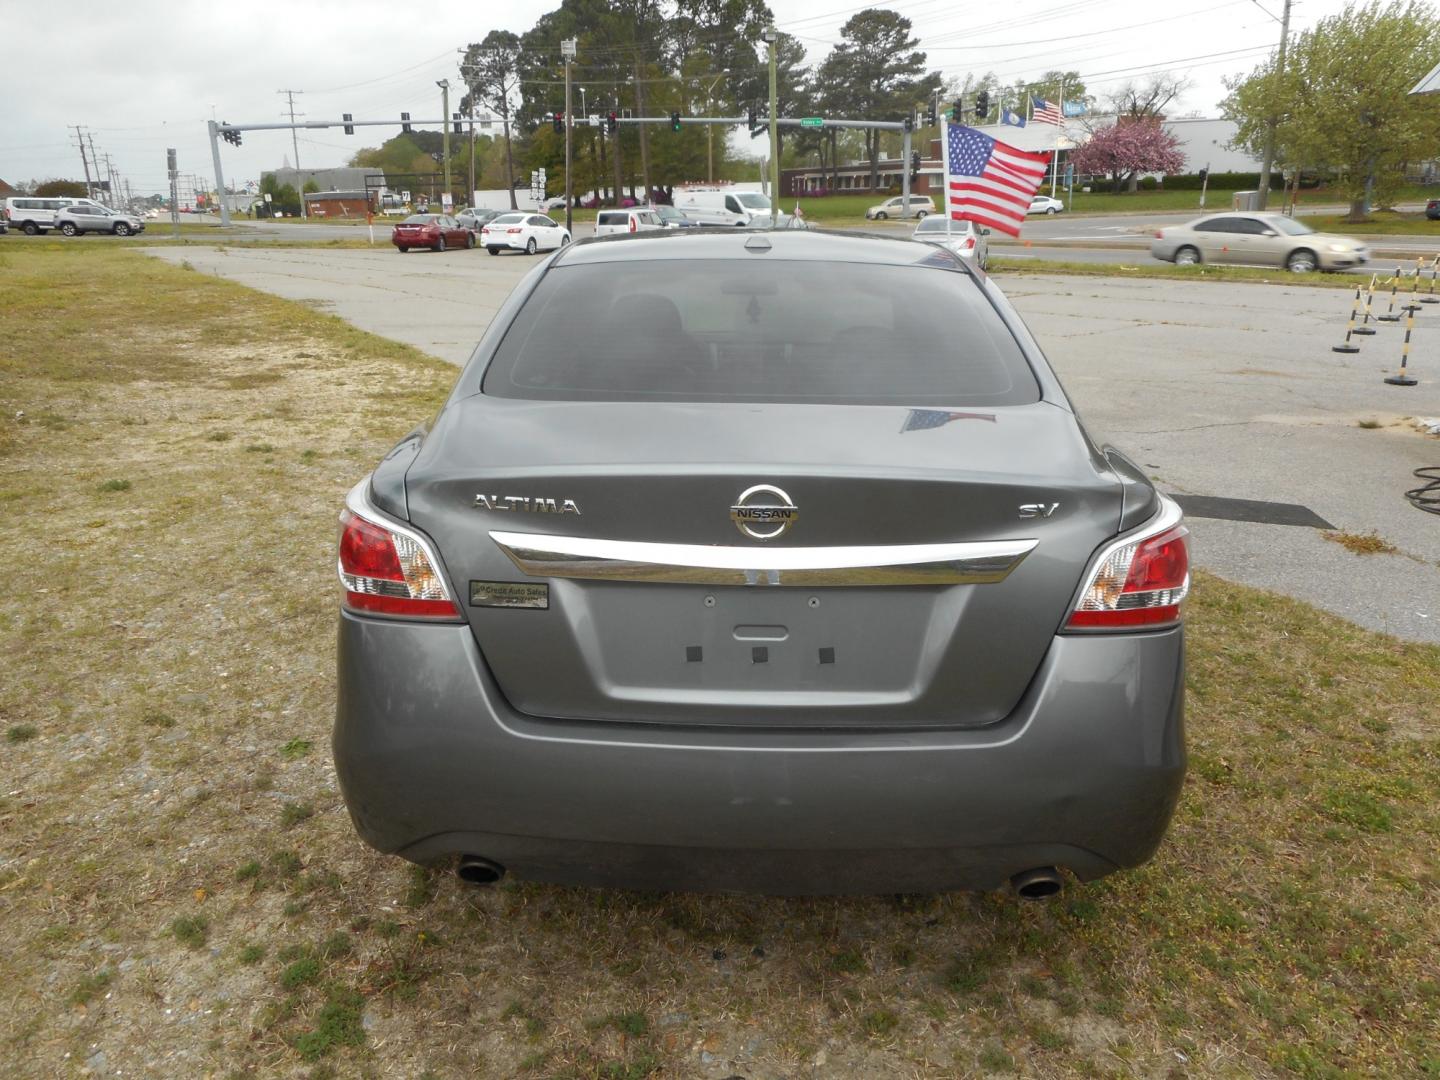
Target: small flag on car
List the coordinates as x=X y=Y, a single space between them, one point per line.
x=987 y=181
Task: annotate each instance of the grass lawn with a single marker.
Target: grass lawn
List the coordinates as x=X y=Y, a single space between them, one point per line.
x=184 y=896
x=1379 y=223
x=1138 y=264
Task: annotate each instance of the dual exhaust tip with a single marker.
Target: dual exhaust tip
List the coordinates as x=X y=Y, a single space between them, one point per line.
x=1039 y=884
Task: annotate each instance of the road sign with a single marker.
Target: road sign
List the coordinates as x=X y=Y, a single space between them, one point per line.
x=812 y=121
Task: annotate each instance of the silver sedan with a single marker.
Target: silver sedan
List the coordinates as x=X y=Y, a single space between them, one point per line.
x=1257 y=240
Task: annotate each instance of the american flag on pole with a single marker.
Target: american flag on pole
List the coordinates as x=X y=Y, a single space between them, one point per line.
x=988 y=182
x=1045 y=112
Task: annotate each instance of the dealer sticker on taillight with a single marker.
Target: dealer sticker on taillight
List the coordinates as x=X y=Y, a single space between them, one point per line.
x=510 y=594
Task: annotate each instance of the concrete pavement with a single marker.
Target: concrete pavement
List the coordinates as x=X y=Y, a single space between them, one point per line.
x=1216 y=389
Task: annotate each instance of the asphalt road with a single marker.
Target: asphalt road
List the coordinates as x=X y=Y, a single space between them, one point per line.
x=1216 y=389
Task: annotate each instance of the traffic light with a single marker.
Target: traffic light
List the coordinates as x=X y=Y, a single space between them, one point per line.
x=1203 y=174
x=558 y=121
x=349 y=127
x=405 y=122
x=910 y=122
x=674 y=121
x=914 y=161
x=754 y=116
x=931 y=119
x=455 y=119
x=232 y=137
x=982 y=104
x=611 y=122
x=957 y=111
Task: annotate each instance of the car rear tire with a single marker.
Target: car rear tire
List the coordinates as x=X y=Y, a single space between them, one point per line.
x=1187 y=256
x=68 y=228
x=30 y=228
x=440 y=244
x=122 y=229
x=469 y=241
x=493 y=250
x=1302 y=261
x=402 y=249
x=530 y=247
x=920 y=215
x=1050 y=210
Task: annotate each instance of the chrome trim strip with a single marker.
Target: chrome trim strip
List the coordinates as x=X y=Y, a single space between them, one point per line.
x=974 y=563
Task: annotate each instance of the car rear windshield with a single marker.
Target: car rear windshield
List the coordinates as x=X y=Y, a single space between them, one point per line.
x=419 y=219
x=777 y=331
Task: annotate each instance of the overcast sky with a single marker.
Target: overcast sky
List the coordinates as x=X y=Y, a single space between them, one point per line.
x=144 y=76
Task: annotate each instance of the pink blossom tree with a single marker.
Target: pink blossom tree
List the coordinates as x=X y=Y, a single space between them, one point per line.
x=1124 y=150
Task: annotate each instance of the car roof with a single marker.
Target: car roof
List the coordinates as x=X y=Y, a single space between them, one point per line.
x=725 y=243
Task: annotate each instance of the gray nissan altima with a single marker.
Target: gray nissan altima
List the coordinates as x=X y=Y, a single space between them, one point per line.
x=764 y=562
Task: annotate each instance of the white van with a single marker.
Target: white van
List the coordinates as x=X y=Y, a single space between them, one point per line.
x=33 y=214
x=739 y=209
x=635 y=219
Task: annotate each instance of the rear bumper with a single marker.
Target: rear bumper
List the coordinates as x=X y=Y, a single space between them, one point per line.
x=1084 y=774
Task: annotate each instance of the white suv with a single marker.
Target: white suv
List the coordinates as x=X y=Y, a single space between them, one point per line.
x=33 y=214
x=636 y=219
x=919 y=206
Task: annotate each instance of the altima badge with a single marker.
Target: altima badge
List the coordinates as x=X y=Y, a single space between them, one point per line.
x=525 y=502
x=763 y=512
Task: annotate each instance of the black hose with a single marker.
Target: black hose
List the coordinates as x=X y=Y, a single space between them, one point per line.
x=1427 y=496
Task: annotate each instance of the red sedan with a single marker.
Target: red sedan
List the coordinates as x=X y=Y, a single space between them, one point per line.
x=433 y=231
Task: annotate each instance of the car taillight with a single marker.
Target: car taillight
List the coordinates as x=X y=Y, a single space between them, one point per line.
x=388 y=570
x=632 y=224
x=969 y=244
x=1159 y=235
x=1139 y=580
x=514 y=230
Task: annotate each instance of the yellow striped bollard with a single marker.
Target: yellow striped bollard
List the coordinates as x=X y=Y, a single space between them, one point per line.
x=1364 y=329
x=1430 y=297
x=1390 y=313
x=1402 y=377
x=1414 y=304
x=1345 y=345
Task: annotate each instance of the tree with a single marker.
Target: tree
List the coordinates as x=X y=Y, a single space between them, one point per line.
x=1149 y=98
x=283 y=197
x=881 y=70
x=1127 y=148
x=1341 y=103
x=491 y=70
x=61 y=189
x=1056 y=86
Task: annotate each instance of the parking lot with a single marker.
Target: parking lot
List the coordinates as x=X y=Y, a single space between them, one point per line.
x=1222 y=390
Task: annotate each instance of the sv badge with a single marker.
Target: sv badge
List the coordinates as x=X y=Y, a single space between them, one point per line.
x=1038 y=510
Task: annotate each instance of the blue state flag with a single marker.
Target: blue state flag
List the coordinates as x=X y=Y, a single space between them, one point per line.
x=1075 y=108
x=1012 y=118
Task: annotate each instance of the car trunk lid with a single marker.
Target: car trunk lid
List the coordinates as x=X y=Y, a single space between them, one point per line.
x=927 y=556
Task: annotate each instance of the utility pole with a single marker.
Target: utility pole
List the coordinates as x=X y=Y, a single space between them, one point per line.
x=770 y=37
x=80 y=141
x=567 y=50
x=170 y=167
x=90 y=138
x=444 y=85
x=295 y=145
x=1268 y=163
x=640 y=111
x=470 y=195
